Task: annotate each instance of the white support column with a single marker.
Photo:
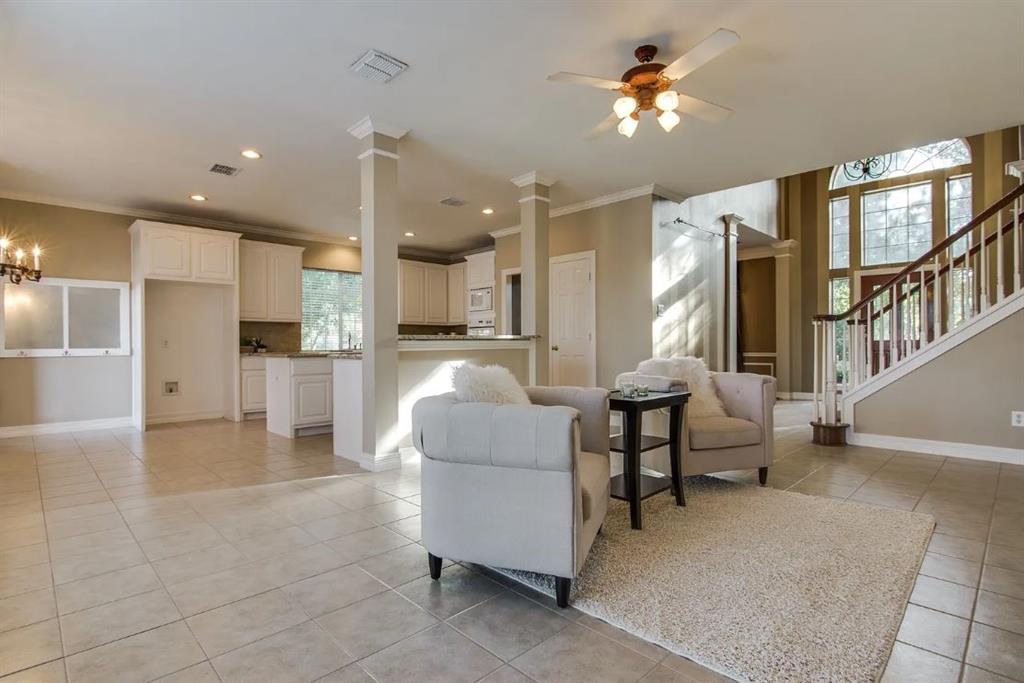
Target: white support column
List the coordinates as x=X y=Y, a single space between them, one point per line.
x=730 y=331
x=378 y=164
x=534 y=215
x=785 y=283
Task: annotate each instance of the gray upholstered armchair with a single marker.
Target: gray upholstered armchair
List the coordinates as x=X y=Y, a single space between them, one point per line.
x=744 y=439
x=514 y=486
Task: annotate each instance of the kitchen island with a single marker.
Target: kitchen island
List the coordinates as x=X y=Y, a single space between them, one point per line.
x=300 y=393
x=425 y=365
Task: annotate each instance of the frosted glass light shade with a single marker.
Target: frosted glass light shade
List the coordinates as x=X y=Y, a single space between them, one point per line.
x=668 y=120
x=624 y=106
x=667 y=100
x=627 y=126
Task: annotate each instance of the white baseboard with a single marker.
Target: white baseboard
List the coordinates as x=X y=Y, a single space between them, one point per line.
x=1013 y=456
x=58 y=427
x=185 y=417
x=379 y=463
x=795 y=395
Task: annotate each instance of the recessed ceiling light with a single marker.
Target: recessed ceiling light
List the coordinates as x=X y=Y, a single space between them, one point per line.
x=251 y=154
x=410 y=234
x=488 y=211
x=197 y=197
x=353 y=238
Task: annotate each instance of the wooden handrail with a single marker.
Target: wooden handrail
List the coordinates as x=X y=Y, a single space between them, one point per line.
x=989 y=212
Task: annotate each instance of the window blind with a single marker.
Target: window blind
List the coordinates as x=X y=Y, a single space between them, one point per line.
x=332 y=310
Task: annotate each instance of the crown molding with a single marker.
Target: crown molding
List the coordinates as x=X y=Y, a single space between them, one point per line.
x=165 y=217
x=603 y=200
x=536 y=197
x=505 y=232
x=534 y=178
x=378 y=152
x=364 y=126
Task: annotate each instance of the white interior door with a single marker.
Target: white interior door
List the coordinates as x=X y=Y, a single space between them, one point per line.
x=572 y=325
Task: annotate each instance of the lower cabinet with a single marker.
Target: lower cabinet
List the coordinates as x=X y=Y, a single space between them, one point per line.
x=254 y=384
x=311 y=400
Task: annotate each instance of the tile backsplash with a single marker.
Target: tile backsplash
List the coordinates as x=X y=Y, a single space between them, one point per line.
x=283 y=337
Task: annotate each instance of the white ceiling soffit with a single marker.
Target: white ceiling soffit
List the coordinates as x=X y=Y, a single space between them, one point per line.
x=128 y=104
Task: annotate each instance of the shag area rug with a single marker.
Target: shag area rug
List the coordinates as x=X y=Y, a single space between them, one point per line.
x=756 y=583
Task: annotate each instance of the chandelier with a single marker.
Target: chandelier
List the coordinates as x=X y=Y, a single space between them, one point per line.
x=869 y=168
x=12 y=263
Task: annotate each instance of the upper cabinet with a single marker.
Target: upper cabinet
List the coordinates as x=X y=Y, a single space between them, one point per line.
x=480 y=269
x=271 y=282
x=412 y=292
x=457 y=294
x=437 y=295
x=177 y=252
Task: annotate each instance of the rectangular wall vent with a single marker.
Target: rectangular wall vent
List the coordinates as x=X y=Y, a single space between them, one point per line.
x=454 y=201
x=224 y=169
x=377 y=66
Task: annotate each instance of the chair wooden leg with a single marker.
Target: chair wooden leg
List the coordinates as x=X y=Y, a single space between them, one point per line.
x=762 y=475
x=562 y=586
x=435 y=566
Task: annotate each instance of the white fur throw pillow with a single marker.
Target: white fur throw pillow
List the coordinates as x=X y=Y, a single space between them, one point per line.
x=704 y=401
x=489 y=384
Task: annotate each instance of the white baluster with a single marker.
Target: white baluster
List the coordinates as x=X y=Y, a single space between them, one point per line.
x=983 y=284
x=936 y=297
x=830 y=373
x=1016 y=244
x=999 y=258
x=949 y=288
x=855 y=353
x=892 y=327
x=922 y=313
x=817 y=363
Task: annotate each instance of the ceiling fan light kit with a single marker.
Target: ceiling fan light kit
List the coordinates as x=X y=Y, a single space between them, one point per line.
x=647 y=86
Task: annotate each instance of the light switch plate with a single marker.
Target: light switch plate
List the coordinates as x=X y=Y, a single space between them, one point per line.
x=1017 y=418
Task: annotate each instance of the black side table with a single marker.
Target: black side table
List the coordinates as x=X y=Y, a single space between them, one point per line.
x=633 y=486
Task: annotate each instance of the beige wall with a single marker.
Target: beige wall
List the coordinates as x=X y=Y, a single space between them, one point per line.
x=620 y=234
x=964 y=396
x=92 y=245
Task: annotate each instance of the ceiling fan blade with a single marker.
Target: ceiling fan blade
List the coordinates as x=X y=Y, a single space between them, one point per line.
x=580 y=79
x=603 y=127
x=702 y=109
x=706 y=50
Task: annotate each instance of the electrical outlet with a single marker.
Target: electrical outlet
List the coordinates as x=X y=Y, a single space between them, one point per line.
x=1017 y=418
x=170 y=388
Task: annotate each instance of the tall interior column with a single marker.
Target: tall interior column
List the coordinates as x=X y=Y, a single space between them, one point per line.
x=378 y=165
x=730 y=316
x=534 y=210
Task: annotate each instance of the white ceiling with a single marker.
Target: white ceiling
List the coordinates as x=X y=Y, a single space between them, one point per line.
x=128 y=104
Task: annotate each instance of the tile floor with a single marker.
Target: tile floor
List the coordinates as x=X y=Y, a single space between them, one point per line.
x=218 y=552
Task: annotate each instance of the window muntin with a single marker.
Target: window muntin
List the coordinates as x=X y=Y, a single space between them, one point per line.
x=839 y=239
x=332 y=310
x=897 y=224
x=959 y=210
x=937 y=155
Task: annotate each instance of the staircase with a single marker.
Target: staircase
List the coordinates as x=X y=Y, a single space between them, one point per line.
x=963 y=286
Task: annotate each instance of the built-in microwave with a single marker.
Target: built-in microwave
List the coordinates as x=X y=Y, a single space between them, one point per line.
x=481 y=299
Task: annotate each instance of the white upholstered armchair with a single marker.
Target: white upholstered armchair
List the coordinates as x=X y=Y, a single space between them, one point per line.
x=514 y=486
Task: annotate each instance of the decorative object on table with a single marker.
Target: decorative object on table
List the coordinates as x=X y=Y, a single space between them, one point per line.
x=514 y=486
x=13 y=263
x=488 y=384
x=255 y=344
x=757 y=584
x=691 y=371
x=633 y=485
x=642 y=390
x=627 y=389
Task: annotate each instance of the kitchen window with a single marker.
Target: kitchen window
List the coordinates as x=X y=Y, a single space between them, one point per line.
x=332 y=310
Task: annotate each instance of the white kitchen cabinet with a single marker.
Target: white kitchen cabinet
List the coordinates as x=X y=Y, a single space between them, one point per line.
x=311 y=400
x=480 y=269
x=178 y=252
x=213 y=257
x=457 y=294
x=436 y=294
x=254 y=384
x=271 y=282
x=412 y=288
x=253 y=271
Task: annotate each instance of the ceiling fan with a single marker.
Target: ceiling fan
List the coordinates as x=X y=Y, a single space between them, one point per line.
x=647 y=86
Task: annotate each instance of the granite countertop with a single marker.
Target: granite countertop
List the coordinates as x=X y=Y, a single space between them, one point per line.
x=307 y=354
x=465 y=337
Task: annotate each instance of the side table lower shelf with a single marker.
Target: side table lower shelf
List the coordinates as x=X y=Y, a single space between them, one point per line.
x=649 y=486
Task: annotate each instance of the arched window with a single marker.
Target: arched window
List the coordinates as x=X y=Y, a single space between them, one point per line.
x=915 y=160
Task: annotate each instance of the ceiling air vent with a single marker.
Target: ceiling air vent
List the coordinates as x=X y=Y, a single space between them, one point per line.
x=454 y=201
x=224 y=169
x=377 y=66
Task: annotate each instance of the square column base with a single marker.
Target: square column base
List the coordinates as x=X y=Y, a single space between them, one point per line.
x=379 y=462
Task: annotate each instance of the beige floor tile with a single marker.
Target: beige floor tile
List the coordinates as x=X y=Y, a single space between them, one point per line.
x=909 y=664
x=23 y=556
x=198 y=563
x=364 y=544
x=87 y=544
x=302 y=653
x=963 y=548
x=457 y=590
x=142 y=657
x=508 y=674
x=24 y=579
x=1000 y=611
x=333 y=590
x=508 y=625
x=934 y=631
x=97 y=562
x=207 y=592
x=437 y=654
x=338 y=525
x=300 y=564
x=353 y=673
x=51 y=672
x=18 y=538
x=104 y=588
x=1005 y=557
x=277 y=542
x=78 y=527
x=372 y=624
x=945 y=596
x=973 y=674
x=1003 y=581
x=398 y=566
x=198 y=537
x=239 y=623
x=197 y=673
x=80 y=512
x=28 y=646
x=952 y=569
x=115 y=620
x=27 y=608
x=995 y=650
x=577 y=653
